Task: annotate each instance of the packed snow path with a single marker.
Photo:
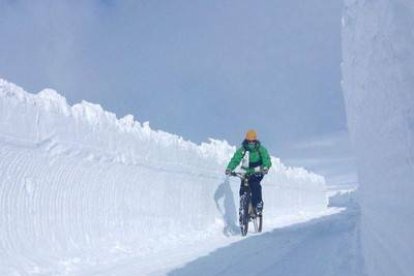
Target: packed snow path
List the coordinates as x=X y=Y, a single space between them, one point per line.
x=324 y=246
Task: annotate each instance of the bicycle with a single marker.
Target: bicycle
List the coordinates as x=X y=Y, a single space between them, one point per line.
x=246 y=211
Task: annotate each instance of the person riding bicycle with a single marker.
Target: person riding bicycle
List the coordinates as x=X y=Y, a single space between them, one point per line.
x=257 y=165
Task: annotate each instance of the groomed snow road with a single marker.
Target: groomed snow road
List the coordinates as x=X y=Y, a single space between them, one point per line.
x=323 y=246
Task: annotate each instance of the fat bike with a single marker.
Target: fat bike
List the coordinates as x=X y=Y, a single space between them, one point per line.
x=247 y=213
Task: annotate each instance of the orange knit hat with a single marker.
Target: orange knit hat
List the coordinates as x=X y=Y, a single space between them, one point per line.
x=251 y=135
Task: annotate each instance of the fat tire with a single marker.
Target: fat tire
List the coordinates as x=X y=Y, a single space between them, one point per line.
x=260 y=219
x=244 y=214
x=244 y=229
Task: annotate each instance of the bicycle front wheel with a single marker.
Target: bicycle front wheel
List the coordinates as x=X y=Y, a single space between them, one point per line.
x=244 y=214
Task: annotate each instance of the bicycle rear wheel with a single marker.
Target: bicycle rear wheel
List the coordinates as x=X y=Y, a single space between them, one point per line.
x=257 y=223
x=260 y=223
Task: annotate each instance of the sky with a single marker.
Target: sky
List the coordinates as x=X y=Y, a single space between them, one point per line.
x=195 y=68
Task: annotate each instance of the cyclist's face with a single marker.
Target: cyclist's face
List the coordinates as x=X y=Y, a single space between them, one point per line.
x=251 y=145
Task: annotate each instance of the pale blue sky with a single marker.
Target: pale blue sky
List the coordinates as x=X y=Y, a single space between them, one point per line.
x=195 y=68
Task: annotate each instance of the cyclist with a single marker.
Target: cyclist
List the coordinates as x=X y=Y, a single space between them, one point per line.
x=256 y=164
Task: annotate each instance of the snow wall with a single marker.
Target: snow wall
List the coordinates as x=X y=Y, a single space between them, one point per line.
x=378 y=84
x=79 y=185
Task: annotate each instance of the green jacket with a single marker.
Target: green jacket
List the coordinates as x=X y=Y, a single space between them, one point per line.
x=258 y=156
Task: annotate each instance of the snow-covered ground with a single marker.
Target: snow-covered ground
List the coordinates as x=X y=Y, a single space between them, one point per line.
x=322 y=247
x=82 y=191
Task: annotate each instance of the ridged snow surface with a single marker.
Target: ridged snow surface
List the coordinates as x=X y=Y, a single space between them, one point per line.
x=79 y=186
x=378 y=71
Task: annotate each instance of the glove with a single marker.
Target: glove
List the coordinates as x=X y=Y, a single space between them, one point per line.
x=228 y=172
x=265 y=170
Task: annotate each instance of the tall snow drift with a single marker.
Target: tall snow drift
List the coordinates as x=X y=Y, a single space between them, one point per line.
x=378 y=83
x=79 y=186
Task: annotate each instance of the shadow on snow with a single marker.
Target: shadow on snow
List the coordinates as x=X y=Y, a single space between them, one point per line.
x=228 y=208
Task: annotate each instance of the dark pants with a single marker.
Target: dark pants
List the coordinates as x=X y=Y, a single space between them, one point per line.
x=256 y=188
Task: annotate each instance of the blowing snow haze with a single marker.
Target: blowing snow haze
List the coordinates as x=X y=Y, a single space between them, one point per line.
x=196 y=68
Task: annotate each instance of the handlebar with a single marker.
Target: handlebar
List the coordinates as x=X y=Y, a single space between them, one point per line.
x=243 y=175
x=238 y=174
